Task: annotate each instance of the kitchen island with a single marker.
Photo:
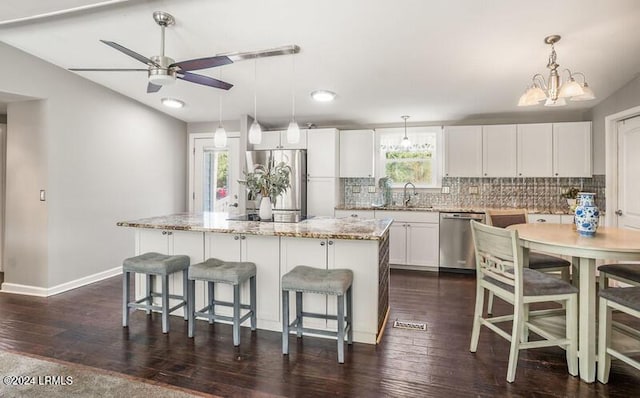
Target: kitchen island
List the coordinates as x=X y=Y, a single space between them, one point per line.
x=361 y=245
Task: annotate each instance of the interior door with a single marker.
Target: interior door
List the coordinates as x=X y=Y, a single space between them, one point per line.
x=215 y=176
x=628 y=212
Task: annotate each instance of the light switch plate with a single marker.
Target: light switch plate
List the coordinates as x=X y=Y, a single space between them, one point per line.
x=473 y=190
x=372 y=189
x=355 y=189
x=42 y=195
x=445 y=189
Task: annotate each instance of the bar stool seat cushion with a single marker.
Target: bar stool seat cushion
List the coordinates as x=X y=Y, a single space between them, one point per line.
x=627 y=271
x=626 y=296
x=156 y=263
x=216 y=270
x=316 y=280
x=536 y=283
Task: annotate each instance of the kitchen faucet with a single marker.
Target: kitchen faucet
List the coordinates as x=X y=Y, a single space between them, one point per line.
x=406 y=197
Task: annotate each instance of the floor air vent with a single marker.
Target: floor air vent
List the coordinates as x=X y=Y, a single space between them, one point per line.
x=411 y=325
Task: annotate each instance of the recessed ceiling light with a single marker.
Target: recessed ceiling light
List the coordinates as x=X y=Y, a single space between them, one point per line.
x=172 y=102
x=323 y=95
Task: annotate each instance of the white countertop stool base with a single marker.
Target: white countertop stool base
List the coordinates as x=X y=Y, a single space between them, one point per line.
x=154 y=264
x=303 y=279
x=214 y=271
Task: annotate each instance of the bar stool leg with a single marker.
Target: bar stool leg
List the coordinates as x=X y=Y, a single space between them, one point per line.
x=185 y=294
x=350 y=316
x=165 y=303
x=236 y=315
x=191 y=305
x=285 y=322
x=299 y=324
x=252 y=297
x=212 y=298
x=126 y=278
x=340 y=329
x=149 y=289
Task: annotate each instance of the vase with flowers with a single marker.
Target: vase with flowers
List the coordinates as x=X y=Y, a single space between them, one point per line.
x=267 y=182
x=571 y=195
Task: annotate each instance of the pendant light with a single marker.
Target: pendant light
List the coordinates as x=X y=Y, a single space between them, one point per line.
x=255 y=132
x=220 y=136
x=405 y=144
x=293 y=131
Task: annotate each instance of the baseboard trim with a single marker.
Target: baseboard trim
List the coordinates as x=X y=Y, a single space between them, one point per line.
x=28 y=290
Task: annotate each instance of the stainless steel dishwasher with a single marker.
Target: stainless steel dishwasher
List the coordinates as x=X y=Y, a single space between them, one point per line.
x=456 y=242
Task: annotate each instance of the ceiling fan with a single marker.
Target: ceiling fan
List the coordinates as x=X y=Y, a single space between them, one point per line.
x=163 y=70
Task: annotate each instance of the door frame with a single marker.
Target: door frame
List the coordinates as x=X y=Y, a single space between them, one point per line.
x=611 y=161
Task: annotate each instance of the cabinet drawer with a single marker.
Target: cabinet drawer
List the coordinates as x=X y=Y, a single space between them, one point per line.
x=548 y=218
x=354 y=213
x=409 y=216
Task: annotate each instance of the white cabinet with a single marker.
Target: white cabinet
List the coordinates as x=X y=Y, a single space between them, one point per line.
x=544 y=218
x=463 y=151
x=172 y=243
x=278 y=140
x=322 y=153
x=572 y=149
x=356 y=153
x=261 y=250
x=322 y=193
x=413 y=238
x=535 y=150
x=359 y=214
x=499 y=151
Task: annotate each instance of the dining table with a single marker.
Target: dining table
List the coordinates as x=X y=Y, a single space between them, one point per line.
x=608 y=243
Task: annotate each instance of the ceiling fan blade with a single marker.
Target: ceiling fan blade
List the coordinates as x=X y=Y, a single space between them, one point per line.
x=130 y=53
x=153 y=88
x=204 y=80
x=107 y=70
x=203 y=63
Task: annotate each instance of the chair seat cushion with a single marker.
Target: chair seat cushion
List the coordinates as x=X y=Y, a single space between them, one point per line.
x=535 y=283
x=626 y=296
x=540 y=261
x=216 y=270
x=317 y=280
x=156 y=263
x=626 y=271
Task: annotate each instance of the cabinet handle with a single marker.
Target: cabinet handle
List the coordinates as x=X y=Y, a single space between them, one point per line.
x=485 y=174
x=519 y=174
x=236 y=237
x=541 y=220
x=321 y=243
x=330 y=242
x=169 y=233
x=556 y=173
x=164 y=232
x=242 y=237
x=354 y=215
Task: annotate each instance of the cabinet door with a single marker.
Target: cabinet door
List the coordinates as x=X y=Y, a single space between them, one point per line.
x=572 y=149
x=321 y=196
x=463 y=151
x=225 y=247
x=422 y=244
x=398 y=243
x=322 y=153
x=356 y=153
x=535 y=150
x=312 y=253
x=499 y=150
x=264 y=251
x=270 y=140
x=301 y=144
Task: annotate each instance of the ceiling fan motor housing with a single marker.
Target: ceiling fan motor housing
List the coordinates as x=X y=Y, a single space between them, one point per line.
x=162 y=75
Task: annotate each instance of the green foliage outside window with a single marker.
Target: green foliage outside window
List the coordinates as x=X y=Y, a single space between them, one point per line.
x=403 y=167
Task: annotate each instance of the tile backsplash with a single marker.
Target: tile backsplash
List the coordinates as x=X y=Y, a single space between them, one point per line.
x=539 y=194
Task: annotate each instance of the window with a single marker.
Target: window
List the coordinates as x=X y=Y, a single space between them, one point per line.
x=216 y=180
x=419 y=164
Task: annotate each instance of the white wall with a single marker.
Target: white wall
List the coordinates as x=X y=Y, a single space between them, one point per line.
x=625 y=98
x=107 y=158
x=3 y=165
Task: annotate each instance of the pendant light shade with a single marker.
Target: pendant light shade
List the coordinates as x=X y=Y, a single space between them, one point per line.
x=405 y=143
x=293 y=131
x=255 y=131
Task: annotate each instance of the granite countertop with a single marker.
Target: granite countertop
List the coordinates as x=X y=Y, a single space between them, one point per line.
x=448 y=209
x=318 y=227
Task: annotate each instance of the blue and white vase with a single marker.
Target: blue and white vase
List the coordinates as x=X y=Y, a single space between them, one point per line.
x=587 y=214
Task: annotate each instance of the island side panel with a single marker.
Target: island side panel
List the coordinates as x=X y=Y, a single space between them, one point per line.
x=383 y=281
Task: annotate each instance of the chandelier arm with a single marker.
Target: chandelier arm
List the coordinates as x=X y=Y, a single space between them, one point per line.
x=584 y=78
x=541 y=81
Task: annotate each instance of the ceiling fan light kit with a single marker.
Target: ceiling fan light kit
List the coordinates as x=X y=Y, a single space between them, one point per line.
x=323 y=95
x=553 y=91
x=172 y=102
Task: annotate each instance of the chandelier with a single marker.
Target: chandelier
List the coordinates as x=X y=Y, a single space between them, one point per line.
x=553 y=91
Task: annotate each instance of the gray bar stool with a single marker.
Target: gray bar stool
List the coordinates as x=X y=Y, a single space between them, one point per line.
x=154 y=264
x=214 y=271
x=303 y=279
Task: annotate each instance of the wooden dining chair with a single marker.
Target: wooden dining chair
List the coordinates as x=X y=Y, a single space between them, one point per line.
x=628 y=273
x=537 y=261
x=624 y=299
x=499 y=270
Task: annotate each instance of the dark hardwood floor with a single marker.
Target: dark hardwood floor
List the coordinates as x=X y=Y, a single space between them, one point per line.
x=84 y=326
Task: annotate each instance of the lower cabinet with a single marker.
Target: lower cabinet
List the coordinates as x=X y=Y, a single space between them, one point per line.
x=413 y=239
x=321 y=196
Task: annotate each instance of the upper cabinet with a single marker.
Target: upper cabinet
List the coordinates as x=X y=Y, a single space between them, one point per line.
x=572 y=149
x=322 y=153
x=356 y=153
x=278 y=140
x=463 y=151
x=499 y=151
x=535 y=150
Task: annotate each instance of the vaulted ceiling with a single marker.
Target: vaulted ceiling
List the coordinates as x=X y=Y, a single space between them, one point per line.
x=433 y=60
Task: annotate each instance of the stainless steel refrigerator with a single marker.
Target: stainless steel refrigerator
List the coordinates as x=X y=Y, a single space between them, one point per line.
x=291 y=206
